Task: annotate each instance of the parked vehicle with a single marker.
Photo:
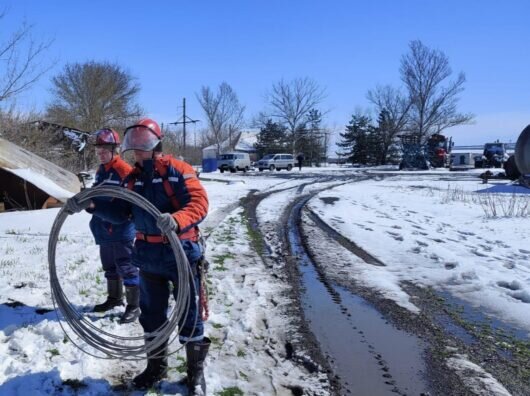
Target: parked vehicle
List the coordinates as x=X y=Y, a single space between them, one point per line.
x=462 y=161
x=276 y=161
x=495 y=155
x=417 y=154
x=233 y=162
x=439 y=150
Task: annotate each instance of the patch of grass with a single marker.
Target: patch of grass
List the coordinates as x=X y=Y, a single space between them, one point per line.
x=255 y=237
x=98 y=279
x=62 y=238
x=498 y=205
x=243 y=375
x=36 y=250
x=220 y=259
x=53 y=352
x=231 y=391
x=493 y=205
x=217 y=325
x=12 y=231
x=79 y=261
x=9 y=249
x=8 y=262
x=215 y=341
x=182 y=366
x=241 y=353
x=225 y=237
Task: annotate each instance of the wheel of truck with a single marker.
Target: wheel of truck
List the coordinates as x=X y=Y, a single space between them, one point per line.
x=478 y=164
x=271 y=168
x=221 y=170
x=289 y=167
x=246 y=169
x=260 y=169
x=278 y=169
x=232 y=170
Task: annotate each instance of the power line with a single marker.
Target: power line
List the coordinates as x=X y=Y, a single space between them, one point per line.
x=183 y=121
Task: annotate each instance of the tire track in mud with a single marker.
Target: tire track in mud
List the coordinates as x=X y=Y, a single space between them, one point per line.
x=302 y=348
x=364 y=349
x=381 y=380
x=435 y=324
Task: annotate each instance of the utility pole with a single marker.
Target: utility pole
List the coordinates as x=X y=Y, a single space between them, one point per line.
x=184 y=120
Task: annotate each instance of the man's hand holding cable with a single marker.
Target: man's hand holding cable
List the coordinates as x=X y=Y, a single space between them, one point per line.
x=167 y=223
x=73 y=205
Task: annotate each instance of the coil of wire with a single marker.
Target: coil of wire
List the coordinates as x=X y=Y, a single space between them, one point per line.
x=111 y=345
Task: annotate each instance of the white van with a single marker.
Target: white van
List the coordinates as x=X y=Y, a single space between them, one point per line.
x=233 y=162
x=276 y=161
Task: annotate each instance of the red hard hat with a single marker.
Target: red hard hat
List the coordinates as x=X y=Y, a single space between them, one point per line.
x=107 y=136
x=144 y=136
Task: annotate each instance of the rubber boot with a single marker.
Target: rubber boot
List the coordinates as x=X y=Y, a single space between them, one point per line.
x=196 y=354
x=114 y=298
x=156 y=368
x=132 y=311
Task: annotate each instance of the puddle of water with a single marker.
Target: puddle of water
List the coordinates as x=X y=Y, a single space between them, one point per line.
x=368 y=354
x=454 y=329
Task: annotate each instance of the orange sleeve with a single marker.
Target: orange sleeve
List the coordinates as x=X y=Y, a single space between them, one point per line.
x=191 y=195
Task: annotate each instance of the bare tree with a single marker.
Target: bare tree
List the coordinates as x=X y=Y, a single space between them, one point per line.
x=223 y=111
x=92 y=95
x=433 y=105
x=291 y=102
x=20 y=61
x=395 y=108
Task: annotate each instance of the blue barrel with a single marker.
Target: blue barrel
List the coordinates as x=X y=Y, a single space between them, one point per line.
x=209 y=164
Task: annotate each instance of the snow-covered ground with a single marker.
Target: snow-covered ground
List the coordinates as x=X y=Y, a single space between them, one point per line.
x=429 y=232
x=440 y=234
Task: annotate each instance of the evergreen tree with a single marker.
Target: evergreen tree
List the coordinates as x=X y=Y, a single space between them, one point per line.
x=356 y=140
x=384 y=146
x=310 y=139
x=272 y=138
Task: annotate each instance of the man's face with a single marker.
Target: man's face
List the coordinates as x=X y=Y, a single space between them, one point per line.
x=141 y=156
x=104 y=154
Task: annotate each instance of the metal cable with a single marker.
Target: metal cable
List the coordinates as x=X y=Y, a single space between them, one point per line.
x=114 y=346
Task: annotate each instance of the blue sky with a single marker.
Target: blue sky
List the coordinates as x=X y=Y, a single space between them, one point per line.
x=348 y=47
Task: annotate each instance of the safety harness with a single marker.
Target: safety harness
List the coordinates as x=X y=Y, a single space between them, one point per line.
x=202 y=265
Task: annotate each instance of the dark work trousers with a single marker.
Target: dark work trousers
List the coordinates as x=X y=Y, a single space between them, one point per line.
x=117 y=263
x=154 y=302
x=299 y=164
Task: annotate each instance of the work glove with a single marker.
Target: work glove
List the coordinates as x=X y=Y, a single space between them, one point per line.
x=167 y=223
x=73 y=205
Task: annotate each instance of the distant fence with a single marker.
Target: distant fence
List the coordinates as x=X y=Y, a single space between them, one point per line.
x=509 y=146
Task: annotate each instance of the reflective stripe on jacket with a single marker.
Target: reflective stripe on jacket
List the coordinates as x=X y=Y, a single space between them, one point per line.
x=190 y=196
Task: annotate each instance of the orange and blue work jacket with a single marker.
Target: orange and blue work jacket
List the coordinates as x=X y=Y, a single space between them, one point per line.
x=111 y=174
x=189 y=207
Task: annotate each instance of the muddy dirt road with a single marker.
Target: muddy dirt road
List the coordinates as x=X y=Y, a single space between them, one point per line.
x=368 y=344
